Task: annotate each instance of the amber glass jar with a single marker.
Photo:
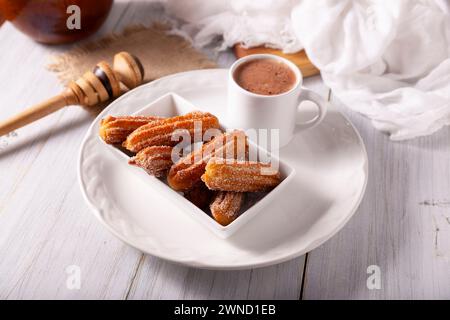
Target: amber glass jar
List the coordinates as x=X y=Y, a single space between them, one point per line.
x=46 y=20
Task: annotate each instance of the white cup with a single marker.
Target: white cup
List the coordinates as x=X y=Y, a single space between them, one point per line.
x=251 y=111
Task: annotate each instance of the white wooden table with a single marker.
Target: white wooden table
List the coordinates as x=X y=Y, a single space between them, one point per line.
x=402 y=225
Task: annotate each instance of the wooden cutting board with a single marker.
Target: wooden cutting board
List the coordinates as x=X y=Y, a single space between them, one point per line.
x=299 y=58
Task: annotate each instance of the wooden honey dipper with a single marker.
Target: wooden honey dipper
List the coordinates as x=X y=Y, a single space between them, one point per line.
x=98 y=85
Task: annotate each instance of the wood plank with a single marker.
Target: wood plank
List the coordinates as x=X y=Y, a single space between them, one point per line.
x=299 y=58
x=402 y=225
x=157 y=279
x=45 y=226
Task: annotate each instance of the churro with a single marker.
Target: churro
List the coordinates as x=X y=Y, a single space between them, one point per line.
x=188 y=170
x=114 y=130
x=226 y=206
x=240 y=176
x=155 y=160
x=199 y=195
x=161 y=132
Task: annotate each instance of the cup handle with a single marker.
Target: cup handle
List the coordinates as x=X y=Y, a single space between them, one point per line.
x=322 y=106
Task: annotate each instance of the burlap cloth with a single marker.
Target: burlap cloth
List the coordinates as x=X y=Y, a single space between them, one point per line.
x=160 y=53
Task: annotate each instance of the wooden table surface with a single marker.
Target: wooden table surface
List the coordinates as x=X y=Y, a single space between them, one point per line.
x=402 y=226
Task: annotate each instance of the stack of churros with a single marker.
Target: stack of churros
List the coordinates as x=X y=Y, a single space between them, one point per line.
x=215 y=177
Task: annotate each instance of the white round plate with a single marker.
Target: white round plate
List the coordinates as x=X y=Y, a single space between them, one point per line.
x=331 y=174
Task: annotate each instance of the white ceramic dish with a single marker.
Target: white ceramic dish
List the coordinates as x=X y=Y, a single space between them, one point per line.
x=331 y=175
x=171 y=105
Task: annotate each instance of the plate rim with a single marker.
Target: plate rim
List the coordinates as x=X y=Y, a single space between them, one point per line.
x=195 y=263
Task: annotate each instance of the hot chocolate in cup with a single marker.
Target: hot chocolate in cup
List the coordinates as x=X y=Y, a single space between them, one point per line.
x=264 y=94
x=265 y=76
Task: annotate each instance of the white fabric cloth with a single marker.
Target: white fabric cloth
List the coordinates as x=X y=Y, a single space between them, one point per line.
x=388 y=59
x=249 y=22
